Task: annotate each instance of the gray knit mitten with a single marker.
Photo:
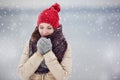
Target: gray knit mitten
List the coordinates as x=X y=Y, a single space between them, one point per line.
x=44 y=45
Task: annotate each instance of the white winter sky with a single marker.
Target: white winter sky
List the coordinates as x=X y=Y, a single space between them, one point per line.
x=65 y=3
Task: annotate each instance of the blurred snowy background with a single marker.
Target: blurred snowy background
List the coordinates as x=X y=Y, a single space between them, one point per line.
x=91 y=26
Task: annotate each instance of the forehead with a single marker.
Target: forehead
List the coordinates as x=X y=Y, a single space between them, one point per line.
x=45 y=25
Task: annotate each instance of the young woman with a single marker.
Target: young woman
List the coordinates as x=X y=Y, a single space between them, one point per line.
x=47 y=55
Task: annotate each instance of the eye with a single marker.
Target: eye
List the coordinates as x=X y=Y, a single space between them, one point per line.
x=49 y=27
x=41 y=27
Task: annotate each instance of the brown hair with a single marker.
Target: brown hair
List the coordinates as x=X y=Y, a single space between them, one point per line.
x=35 y=35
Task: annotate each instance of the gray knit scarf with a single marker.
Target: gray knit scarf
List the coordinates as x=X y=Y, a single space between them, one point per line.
x=59 y=46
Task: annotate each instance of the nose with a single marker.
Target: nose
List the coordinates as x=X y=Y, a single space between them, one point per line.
x=44 y=32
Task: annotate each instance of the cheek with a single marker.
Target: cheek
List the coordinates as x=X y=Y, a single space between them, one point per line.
x=51 y=31
x=40 y=31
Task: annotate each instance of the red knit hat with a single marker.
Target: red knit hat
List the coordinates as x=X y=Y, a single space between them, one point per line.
x=50 y=16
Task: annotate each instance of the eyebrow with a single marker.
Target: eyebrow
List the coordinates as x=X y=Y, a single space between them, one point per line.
x=49 y=26
x=41 y=26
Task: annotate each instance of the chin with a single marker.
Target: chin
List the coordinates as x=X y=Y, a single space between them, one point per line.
x=44 y=35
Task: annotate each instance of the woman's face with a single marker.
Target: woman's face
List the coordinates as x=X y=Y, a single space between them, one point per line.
x=45 y=29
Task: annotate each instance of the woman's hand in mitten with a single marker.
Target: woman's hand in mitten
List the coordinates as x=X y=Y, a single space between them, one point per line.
x=44 y=45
